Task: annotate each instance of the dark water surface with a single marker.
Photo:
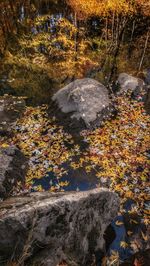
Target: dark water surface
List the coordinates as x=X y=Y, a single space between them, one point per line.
x=78 y=180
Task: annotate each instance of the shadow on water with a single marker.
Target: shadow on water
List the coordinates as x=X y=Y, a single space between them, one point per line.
x=78 y=180
x=126 y=254
x=121 y=234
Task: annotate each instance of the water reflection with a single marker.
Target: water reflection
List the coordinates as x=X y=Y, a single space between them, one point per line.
x=78 y=180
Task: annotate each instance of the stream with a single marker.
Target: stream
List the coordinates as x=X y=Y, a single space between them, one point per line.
x=65 y=174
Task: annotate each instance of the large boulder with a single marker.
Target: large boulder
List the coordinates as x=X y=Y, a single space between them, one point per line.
x=11 y=108
x=127 y=83
x=147 y=100
x=85 y=101
x=147 y=77
x=46 y=228
x=13 y=167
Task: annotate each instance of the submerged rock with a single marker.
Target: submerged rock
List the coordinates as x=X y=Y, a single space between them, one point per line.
x=51 y=227
x=11 y=108
x=13 y=167
x=85 y=101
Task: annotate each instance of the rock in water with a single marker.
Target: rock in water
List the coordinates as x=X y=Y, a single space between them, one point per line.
x=13 y=167
x=129 y=83
x=51 y=227
x=85 y=100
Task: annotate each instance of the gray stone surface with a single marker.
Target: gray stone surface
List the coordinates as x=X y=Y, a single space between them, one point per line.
x=13 y=167
x=147 y=100
x=11 y=108
x=128 y=82
x=50 y=227
x=86 y=100
x=147 y=77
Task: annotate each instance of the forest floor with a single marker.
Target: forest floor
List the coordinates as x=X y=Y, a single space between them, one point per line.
x=115 y=156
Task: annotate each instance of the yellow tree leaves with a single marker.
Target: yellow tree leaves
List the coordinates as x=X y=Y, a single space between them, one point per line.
x=89 y=8
x=85 y=8
x=144 y=6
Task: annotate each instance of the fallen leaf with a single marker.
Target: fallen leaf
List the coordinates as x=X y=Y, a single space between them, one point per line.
x=123 y=244
x=145 y=237
x=119 y=223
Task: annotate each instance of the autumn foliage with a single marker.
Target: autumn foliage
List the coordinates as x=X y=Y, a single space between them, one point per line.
x=73 y=47
x=104 y=7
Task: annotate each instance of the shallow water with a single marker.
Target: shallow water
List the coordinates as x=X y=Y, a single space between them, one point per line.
x=78 y=180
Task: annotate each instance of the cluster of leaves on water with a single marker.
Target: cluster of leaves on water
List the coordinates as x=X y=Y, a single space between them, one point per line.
x=118 y=151
x=44 y=143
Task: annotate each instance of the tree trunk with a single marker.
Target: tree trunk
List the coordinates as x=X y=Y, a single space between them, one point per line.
x=76 y=41
x=76 y=34
x=117 y=30
x=113 y=24
x=106 y=32
x=131 y=39
x=144 y=51
x=116 y=53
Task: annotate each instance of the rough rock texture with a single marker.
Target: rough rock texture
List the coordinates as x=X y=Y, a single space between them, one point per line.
x=147 y=100
x=128 y=82
x=147 y=77
x=138 y=88
x=85 y=100
x=11 y=108
x=56 y=226
x=13 y=167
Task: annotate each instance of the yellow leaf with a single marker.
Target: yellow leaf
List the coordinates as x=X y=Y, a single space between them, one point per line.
x=129 y=194
x=147 y=212
x=63 y=184
x=144 y=236
x=5 y=145
x=129 y=233
x=133 y=221
x=52 y=189
x=146 y=221
x=123 y=244
x=119 y=223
